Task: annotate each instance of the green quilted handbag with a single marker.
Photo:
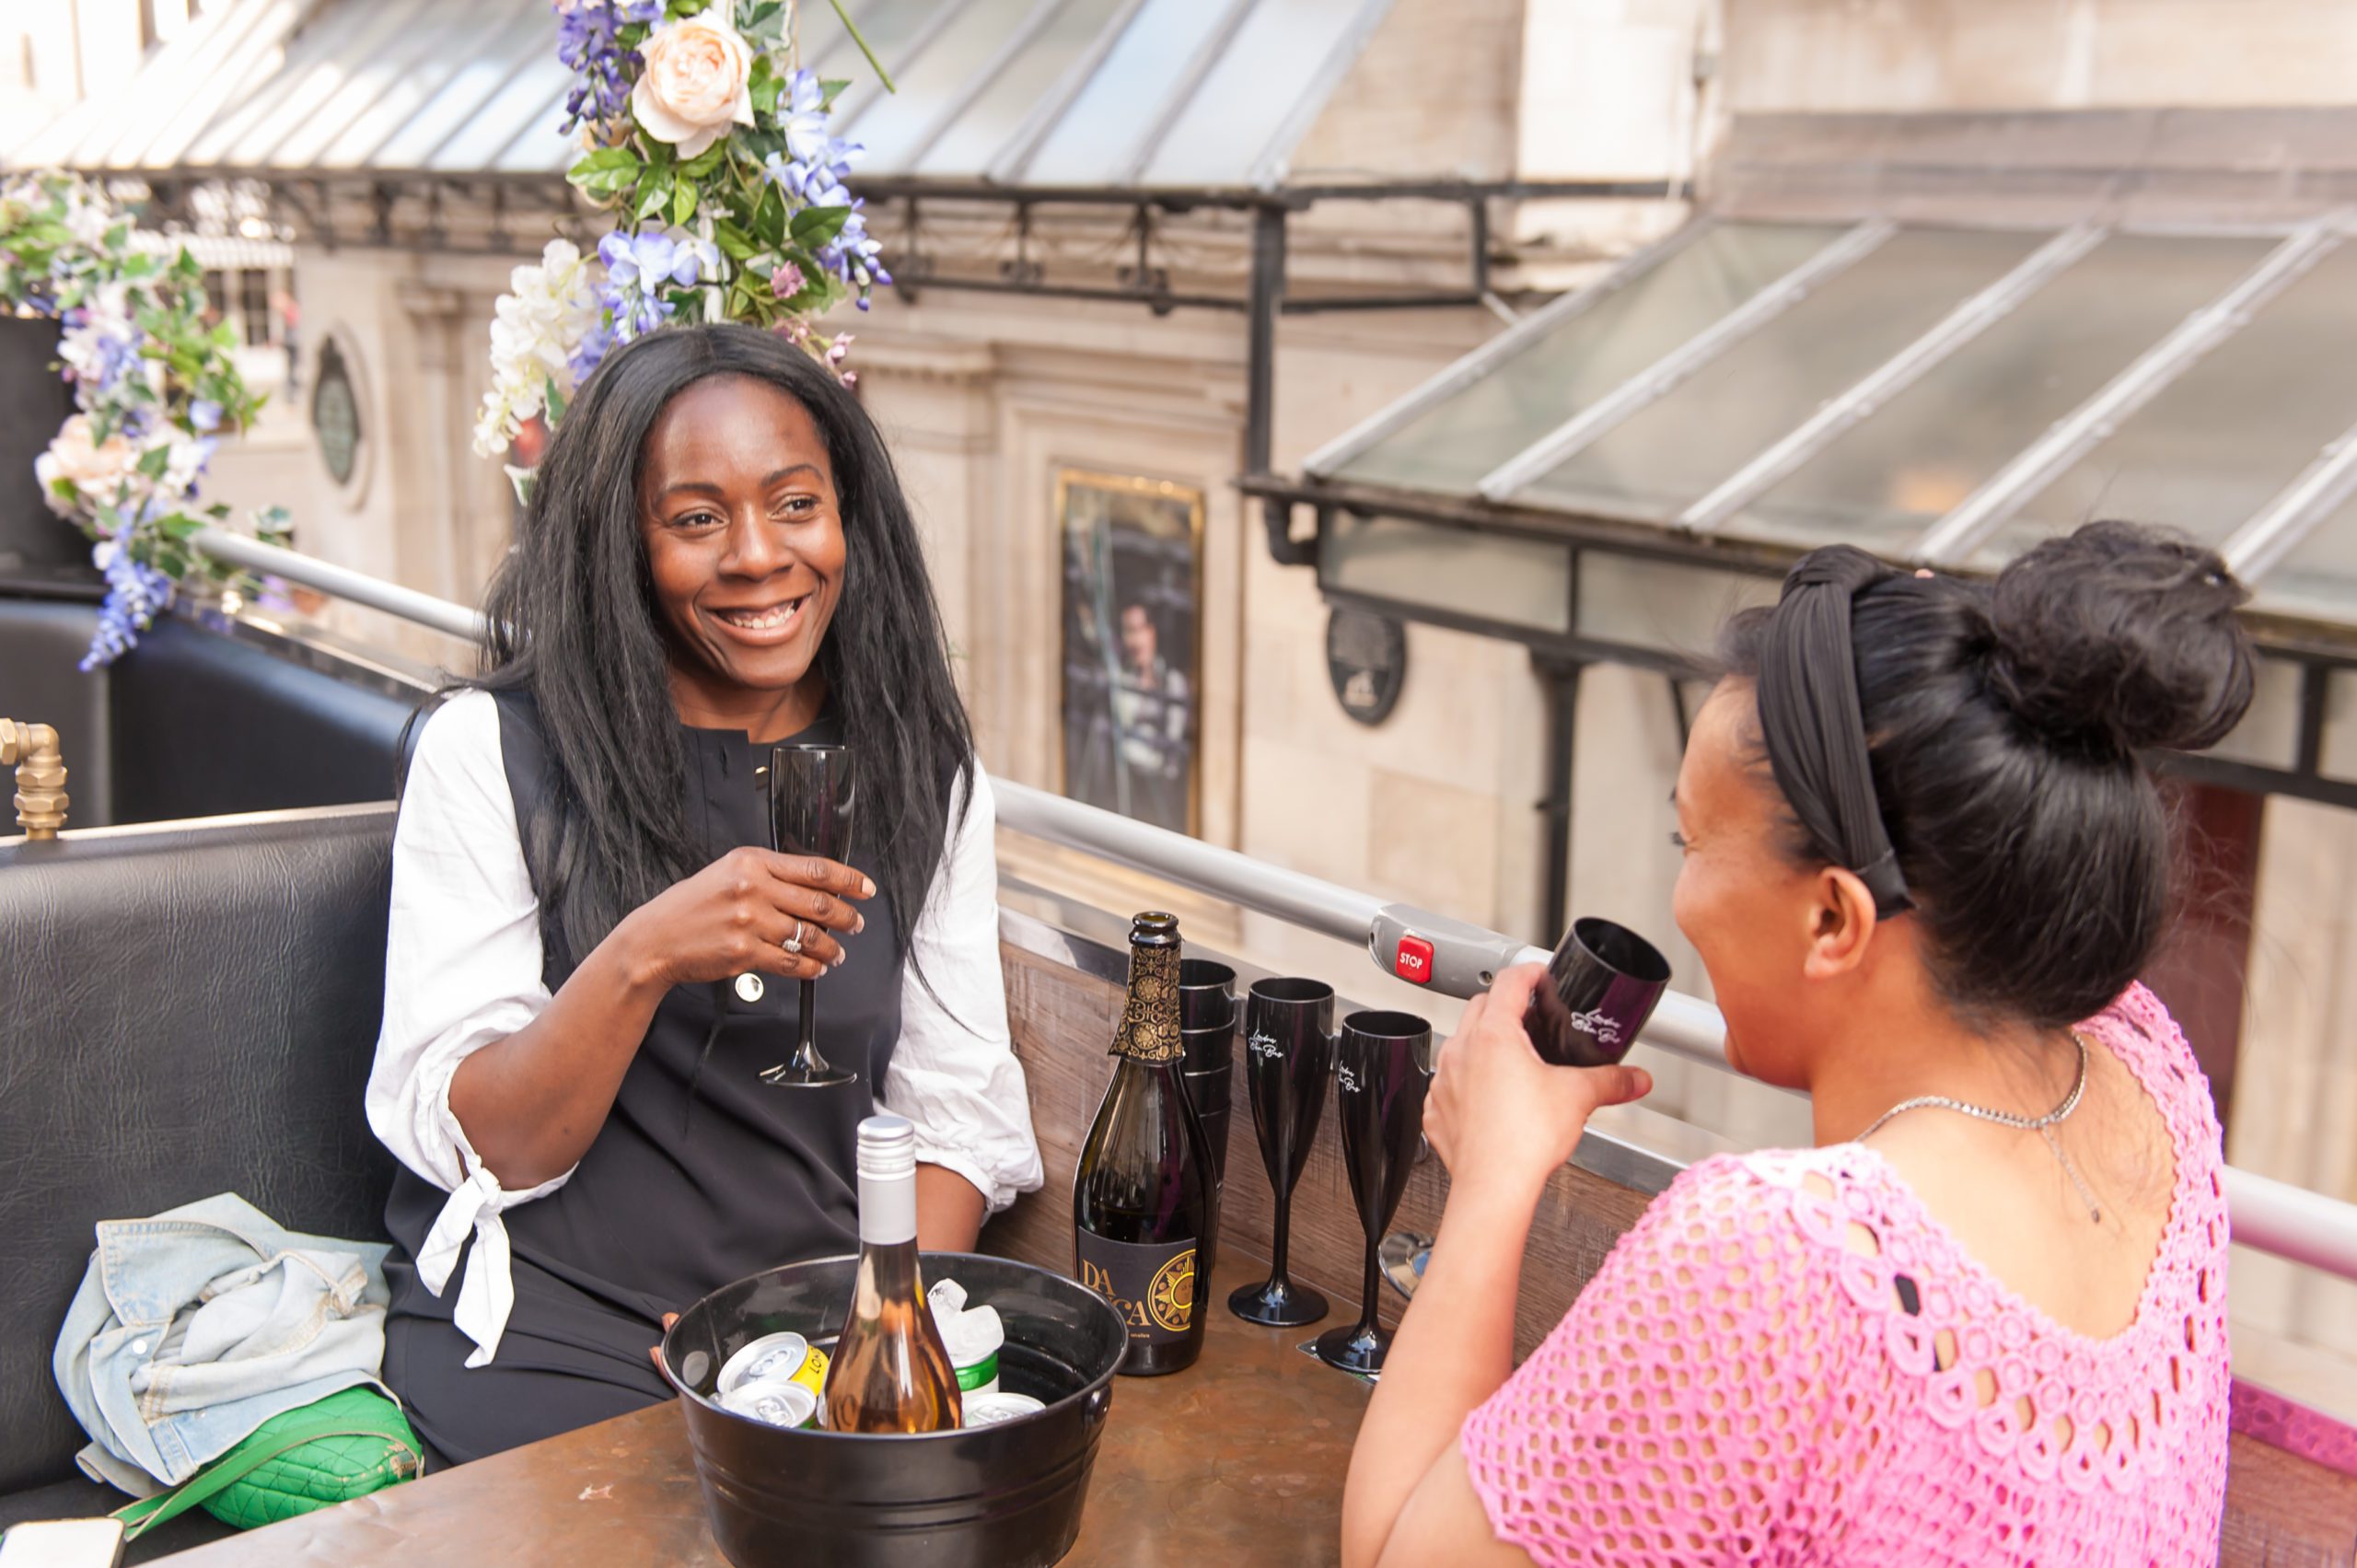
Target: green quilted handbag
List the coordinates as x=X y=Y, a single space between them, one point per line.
x=345 y=1446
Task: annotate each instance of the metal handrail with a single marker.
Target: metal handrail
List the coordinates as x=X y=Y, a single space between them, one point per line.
x=2270 y=1216
x=240 y=549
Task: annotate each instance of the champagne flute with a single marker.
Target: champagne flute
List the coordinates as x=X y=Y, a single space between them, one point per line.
x=1288 y=1055
x=1380 y=1076
x=812 y=792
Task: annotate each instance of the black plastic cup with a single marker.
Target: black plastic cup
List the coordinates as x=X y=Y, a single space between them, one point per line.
x=1206 y=995
x=1209 y=1051
x=1209 y=1092
x=1602 y=984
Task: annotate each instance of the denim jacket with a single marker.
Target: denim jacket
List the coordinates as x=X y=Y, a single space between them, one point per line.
x=193 y=1328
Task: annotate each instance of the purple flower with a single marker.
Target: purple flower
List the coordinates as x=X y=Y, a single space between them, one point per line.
x=854 y=255
x=586 y=41
x=204 y=415
x=135 y=593
x=806 y=118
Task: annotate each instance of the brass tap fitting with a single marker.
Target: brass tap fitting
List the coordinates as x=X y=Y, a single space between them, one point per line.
x=33 y=750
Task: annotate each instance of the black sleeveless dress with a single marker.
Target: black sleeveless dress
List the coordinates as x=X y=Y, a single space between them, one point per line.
x=680 y=1193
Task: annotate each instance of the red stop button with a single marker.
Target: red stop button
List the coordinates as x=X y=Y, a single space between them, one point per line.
x=1414 y=961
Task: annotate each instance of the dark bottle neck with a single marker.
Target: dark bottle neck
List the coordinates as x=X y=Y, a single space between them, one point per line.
x=1149 y=1028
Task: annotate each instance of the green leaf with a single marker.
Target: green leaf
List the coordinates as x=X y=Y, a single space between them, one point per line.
x=218 y=510
x=704 y=162
x=683 y=203
x=181 y=526
x=768 y=217
x=554 y=399
x=828 y=86
x=734 y=242
x=653 y=196
x=767 y=91
x=814 y=226
x=154 y=460
x=606 y=171
x=764 y=19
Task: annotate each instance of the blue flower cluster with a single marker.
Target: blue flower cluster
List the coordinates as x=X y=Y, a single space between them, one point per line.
x=640 y=269
x=586 y=42
x=814 y=177
x=135 y=594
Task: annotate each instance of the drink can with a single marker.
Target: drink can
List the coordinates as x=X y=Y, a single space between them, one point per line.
x=775 y=1400
x=785 y=1358
x=989 y=1410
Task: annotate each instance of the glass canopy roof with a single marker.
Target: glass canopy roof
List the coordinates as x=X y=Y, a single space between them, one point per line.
x=1940 y=395
x=1037 y=94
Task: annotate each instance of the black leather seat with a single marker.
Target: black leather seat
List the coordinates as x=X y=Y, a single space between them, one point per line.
x=192 y=722
x=185 y=1009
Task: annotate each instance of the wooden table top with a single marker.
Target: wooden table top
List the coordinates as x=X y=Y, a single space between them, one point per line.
x=1238 y=1461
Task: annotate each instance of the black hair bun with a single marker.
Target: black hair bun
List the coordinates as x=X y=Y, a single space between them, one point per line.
x=2119 y=638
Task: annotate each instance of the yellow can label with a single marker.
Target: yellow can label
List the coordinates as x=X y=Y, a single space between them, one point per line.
x=812 y=1372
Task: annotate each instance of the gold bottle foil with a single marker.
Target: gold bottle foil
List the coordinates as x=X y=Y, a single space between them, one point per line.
x=1149 y=1030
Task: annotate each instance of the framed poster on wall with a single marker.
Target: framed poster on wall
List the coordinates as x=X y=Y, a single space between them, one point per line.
x=1132 y=556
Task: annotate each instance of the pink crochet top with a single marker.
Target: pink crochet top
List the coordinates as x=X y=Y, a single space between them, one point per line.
x=1736 y=1385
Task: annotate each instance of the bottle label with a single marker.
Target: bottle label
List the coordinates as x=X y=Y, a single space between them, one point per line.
x=1151 y=1287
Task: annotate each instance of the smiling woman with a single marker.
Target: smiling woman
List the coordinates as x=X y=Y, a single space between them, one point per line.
x=717 y=559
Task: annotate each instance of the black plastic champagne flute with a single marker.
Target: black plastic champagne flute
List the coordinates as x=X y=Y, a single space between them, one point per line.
x=1288 y=1055
x=812 y=792
x=1380 y=1076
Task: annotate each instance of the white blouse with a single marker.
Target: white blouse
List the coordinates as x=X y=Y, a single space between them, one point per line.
x=462 y=969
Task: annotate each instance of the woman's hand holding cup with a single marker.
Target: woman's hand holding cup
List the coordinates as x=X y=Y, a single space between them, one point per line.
x=738 y=914
x=1499 y=1117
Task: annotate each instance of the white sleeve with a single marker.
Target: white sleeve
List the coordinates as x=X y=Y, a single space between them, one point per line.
x=954 y=1074
x=463 y=970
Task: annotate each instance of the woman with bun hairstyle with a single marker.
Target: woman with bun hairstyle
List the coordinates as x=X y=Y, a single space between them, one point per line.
x=1983 y=1320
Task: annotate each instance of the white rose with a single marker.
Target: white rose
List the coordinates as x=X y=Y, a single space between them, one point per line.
x=95 y=469
x=696 y=84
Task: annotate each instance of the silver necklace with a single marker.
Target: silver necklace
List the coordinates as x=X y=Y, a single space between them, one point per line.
x=2042 y=1125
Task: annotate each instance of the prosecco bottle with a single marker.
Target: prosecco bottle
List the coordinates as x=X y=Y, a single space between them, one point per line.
x=1142 y=1204
x=890 y=1373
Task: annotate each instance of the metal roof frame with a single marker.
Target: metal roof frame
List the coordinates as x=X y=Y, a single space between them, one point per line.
x=1851 y=407
x=1674 y=368
x=1183 y=87
x=1018 y=39
x=2277 y=528
x=1951 y=540
x=1470 y=367
x=1048 y=112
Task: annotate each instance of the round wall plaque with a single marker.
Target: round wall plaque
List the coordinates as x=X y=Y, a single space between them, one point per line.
x=1366 y=657
x=335 y=414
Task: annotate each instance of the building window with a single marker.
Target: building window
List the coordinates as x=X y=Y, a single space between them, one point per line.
x=253 y=303
x=1132 y=558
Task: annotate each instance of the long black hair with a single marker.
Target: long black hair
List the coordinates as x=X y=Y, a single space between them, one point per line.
x=2004 y=732
x=572 y=621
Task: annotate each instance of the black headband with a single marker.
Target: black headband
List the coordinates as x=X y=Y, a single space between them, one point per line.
x=1813 y=726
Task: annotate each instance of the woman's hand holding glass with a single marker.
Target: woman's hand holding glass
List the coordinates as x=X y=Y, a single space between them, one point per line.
x=1499 y=1117
x=751 y=910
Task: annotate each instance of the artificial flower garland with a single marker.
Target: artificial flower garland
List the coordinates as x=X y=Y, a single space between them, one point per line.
x=710 y=147
x=156 y=390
